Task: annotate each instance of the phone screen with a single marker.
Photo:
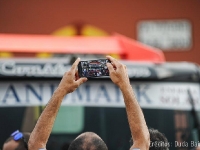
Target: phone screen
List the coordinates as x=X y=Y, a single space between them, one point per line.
x=93 y=68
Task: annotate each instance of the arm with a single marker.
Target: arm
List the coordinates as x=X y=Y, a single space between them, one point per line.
x=138 y=127
x=43 y=127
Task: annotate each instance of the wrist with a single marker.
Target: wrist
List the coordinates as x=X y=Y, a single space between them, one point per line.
x=60 y=91
x=125 y=86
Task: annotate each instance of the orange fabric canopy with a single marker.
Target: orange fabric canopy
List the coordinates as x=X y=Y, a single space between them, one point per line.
x=116 y=44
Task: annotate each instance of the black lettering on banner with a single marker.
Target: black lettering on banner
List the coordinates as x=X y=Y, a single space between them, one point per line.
x=38 y=95
x=102 y=90
x=141 y=92
x=11 y=92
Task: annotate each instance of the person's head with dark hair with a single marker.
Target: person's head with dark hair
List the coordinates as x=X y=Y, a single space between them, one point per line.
x=17 y=141
x=88 y=141
x=65 y=146
x=158 y=140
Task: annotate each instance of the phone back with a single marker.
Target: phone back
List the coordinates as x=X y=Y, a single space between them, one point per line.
x=93 y=68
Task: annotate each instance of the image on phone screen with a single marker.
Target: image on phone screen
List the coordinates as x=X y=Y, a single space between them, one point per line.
x=93 y=68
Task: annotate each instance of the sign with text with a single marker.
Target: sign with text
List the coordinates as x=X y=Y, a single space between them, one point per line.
x=166 y=34
x=56 y=69
x=160 y=95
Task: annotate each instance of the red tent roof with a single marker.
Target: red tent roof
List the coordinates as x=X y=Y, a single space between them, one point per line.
x=116 y=44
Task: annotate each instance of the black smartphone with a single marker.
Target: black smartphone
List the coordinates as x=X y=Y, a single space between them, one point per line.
x=93 y=68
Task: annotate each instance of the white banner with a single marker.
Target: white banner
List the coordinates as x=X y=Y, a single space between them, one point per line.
x=166 y=34
x=154 y=95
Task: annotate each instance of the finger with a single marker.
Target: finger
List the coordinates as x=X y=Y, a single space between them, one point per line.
x=110 y=67
x=76 y=75
x=81 y=81
x=126 y=71
x=75 y=64
x=113 y=61
x=110 y=58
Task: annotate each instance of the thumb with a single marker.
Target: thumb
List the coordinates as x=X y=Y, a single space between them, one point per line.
x=81 y=81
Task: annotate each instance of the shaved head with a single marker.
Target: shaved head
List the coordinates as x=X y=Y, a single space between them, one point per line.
x=88 y=141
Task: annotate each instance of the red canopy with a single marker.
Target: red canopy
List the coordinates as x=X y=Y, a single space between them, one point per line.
x=116 y=44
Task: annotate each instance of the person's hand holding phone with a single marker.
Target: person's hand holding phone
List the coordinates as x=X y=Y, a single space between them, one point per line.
x=118 y=72
x=71 y=80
